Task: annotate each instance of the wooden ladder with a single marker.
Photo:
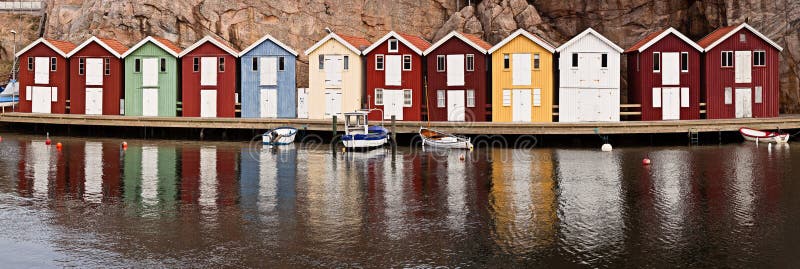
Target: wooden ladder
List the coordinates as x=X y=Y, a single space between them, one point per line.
x=694 y=136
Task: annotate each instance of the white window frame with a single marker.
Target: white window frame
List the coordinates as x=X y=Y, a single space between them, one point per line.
x=506 y=59
x=53 y=64
x=408 y=98
x=470 y=98
x=378 y=96
x=537 y=61
x=657 y=68
x=687 y=62
x=443 y=66
x=470 y=62
x=107 y=66
x=81 y=66
x=440 y=99
x=410 y=66
x=382 y=61
x=725 y=62
x=506 y=97
x=763 y=58
x=728 y=95
x=396 y=45
x=759 y=94
x=656 y=97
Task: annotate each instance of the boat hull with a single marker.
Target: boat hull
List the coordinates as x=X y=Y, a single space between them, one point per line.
x=287 y=136
x=762 y=136
x=434 y=139
x=364 y=144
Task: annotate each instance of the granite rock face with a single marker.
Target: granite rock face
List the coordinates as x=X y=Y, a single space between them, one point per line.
x=300 y=23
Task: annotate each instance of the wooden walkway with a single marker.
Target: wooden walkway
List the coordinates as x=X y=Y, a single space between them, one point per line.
x=784 y=122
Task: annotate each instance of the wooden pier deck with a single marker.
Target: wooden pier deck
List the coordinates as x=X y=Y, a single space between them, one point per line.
x=785 y=122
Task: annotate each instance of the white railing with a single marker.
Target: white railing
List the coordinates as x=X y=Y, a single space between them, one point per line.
x=22 y=5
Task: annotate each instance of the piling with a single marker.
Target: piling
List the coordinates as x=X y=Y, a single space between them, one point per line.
x=394 y=127
x=333 y=124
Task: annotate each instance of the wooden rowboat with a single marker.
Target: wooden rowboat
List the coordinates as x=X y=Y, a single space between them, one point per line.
x=279 y=136
x=438 y=139
x=763 y=136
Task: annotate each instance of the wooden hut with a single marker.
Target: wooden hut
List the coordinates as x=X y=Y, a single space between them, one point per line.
x=208 y=79
x=44 y=76
x=151 y=78
x=335 y=75
x=96 y=83
x=269 y=87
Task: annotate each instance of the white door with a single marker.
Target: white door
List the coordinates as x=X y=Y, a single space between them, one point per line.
x=455 y=70
x=333 y=65
x=150 y=72
x=208 y=71
x=670 y=104
x=269 y=71
x=393 y=104
x=393 y=70
x=94 y=101
x=455 y=105
x=208 y=103
x=670 y=68
x=589 y=69
x=302 y=106
x=521 y=105
x=42 y=70
x=333 y=103
x=744 y=103
x=94 y=71
x=269 y=103
x=41 y=99
x=743 y=67
x=521 y=69
x=149 y=102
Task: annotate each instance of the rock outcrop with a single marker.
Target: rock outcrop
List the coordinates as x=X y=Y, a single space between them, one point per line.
x=300 y=23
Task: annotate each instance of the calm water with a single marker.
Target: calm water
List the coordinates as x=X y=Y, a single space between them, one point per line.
x=181 y=204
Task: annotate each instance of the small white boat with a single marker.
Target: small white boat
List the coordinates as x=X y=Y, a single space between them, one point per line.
x=764 y=136
x=359 y=135
x=279 y=136
x=438 y=139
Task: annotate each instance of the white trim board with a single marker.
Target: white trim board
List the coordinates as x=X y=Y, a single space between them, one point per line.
x=527 y=35
x=450 y=36
x=214 y=41
x=264 y=39
x=666 y=33
x=739 y=28
x=589 y=31
x=48 y=44
x=336 y=37
x=398 y=37
x=150 y=39
x=99 y=42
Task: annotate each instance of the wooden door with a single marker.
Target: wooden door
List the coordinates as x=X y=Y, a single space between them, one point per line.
x=670 y=68
x=41 y=99
x=333 y=103
x=670 y=104
x=208 y=71
x=269 y=103
x=393 y=70
x=455 y=105
x=208 y=103
x=94 y=101
x=744 y=103
x=150 y=102
x=521 y=105
x=94 y=71
x=393 y=104
x=743 y=66
x=521 y=69
x=302 y=105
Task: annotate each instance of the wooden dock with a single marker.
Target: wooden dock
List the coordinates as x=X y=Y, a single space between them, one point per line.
x=784 y=122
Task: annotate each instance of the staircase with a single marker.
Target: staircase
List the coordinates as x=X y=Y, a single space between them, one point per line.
x=694 y=137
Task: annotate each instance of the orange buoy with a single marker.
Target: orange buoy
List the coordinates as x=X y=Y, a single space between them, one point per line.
x=646 y=161
x=124 y=145
x=461 y=157
x=58 y=145
x=1 y=139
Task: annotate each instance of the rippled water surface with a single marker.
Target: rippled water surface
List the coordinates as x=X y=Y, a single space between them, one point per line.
x=194 y=204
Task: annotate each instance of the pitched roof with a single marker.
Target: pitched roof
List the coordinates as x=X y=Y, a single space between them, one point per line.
x=59 y=46
x=162 y=43
x=472 y=40
x=264 y=39
x=113 y=46
x=652 y=38
x=536 y=39
x=415 y=43
x=351 y=42
x=717 y=36
x=589 y=31
x=224 y=45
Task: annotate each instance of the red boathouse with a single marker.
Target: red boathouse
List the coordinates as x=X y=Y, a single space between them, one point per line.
x=394 y=76
x=96 y=83
x=741 y=73
x=208 y=79
x=664 y=76
x=457 y=78
x=44 y=76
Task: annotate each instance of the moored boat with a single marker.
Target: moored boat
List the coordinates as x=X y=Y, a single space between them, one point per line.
x=763 y=136
x=279 y=136
x=358 y=133
x=436 y=139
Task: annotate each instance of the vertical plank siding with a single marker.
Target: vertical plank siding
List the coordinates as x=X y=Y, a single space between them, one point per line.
x=112 y=83
x=570 y=80
x=286 y=84
x=191 y=86
x=167 y=82
x=352 y=80
x=58 y=78
x=473 y=80
x=540 y=79
x=409 y=80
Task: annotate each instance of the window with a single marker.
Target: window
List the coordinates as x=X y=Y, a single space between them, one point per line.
x=728 y=96
x=281 y=63
x=656 y=62
x=470 y=98
x=604 y=60
x=440 y=98
x=727 y=59
x=406 y=62
x=440 y=66
x=684 y=62
x=759 y=95
x=346 y=60
x=536 y=61
x=759 y=58
x=537 y=97
x=196 y=64
x=30 y=63
x=81 y=66
x=255 y=63
x=575 y=60
x=137 y=66
x=321 y=62
x=470 y=62
x=407 y=98
x=656 y=97
x=163 y=65
x=107 y=65
x=506 y=62
x=393 y=45
x=506 y=97
x=685 y=97
x=378 y=97
x=53 y=63
x=742 y=38
x=221 y=63
x=379 y=62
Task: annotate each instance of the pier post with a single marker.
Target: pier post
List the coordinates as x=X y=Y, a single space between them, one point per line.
x=394 y=128
x=333 y=123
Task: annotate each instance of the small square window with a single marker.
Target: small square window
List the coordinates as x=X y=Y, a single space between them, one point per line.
x=470 y=62
x=196 y=64
x=137 y=65
x=440 y=63
x=53 y=64
x=407 y=101
x=406 y=62
x=440 y=101
x=107 y=65
x=321 y=62
x=30 y=63
x=604 y=60
x=727 y=59
x=759 y=58
x=81 y=66
x=254 y=62
x=163 y=65
x=470 y=98
x=656 y=62
x=574 y=60
x=536 y=61
x=346 y=60
x=221 y=63
x=281 y=63
x=506 y=62
x=393 y=45
x=684 y=62
x=379 y=62
x=506 y=97
x=378 y=97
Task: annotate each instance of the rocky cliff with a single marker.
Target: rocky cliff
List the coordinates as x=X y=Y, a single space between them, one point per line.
x=300 y=23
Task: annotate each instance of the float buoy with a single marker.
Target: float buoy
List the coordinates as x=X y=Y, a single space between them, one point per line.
x=124 y=145
x=58 y=145
x=1 y=139
x=606 y=147
x=646 y=161
x=461 y=157
x=48 y=142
